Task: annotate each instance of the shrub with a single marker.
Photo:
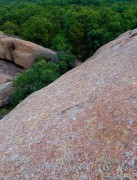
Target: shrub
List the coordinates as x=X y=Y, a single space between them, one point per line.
x=66 y=61
x=41 y=74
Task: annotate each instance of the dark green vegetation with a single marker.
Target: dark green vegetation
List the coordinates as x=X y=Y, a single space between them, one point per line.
x=5 y=110
x=81 y=26
x=41 y=74
x=77 y=27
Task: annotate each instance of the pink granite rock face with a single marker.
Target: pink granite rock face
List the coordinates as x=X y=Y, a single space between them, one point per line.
x=82 y=126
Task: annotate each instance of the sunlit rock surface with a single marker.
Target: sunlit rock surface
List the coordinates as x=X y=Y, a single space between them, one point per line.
x=82 y=126
x=23 y=53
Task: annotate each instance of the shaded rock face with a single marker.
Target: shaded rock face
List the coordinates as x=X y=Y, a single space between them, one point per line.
x=22 y=52
x=1 y=116
x=6 y=90
x=8 y=72
x=82 y=126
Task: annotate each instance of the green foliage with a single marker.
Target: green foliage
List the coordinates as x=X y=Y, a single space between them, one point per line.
x=10 y=28
x=61 y=43
x=66 y=61
x=79 y=26
x=5 y=111
x=41 y=74
x=37 y=29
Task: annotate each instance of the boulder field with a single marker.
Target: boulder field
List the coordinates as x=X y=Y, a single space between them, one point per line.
x=82 y=126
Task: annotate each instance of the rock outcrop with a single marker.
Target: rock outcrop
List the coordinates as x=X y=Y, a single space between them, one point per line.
x=82 y=126
x=22 y=52
x=6 y=90
x=19 y=52
x=8 y=72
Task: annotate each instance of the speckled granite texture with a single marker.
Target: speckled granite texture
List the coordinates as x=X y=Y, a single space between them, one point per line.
x=82 y=126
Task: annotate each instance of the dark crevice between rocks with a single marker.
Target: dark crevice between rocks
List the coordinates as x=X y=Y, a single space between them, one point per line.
x=11 y=48
x=1 y=116
x=4 y=110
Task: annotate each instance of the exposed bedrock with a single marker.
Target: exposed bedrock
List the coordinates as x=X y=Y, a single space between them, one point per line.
x=82 y=126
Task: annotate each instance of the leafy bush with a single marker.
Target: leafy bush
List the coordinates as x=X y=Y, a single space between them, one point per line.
x=41 y=74
x=60 y=43
x=5 y=111
x=66 y=61
x=80 y=26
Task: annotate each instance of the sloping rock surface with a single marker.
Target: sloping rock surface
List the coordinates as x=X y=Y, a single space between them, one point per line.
x=82 y=126
x=22 y=52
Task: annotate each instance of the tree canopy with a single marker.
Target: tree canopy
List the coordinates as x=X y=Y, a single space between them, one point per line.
x=81 y=26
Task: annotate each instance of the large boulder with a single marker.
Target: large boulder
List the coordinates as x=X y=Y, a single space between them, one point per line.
x=22 y=52
x=82 y=126
x=8 y=72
